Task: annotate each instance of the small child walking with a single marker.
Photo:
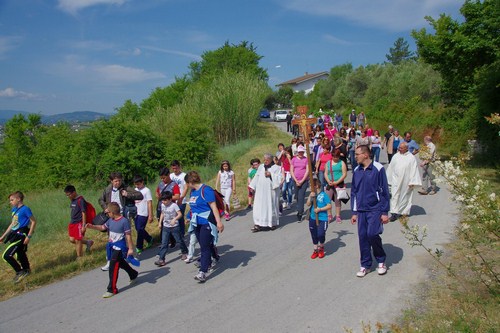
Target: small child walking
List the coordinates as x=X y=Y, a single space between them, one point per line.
x=169 y=224
x=323 y=206
x=254 y=162
x=227 y=181
x=121 y=245
x=18 y=234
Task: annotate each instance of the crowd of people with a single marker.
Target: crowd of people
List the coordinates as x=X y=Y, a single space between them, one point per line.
x=308 y=176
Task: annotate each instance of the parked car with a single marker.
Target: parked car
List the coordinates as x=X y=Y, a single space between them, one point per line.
x=264 y=113
x=280 y=115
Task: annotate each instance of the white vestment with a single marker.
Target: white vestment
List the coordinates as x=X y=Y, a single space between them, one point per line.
x=401 y=174
x=267 y=194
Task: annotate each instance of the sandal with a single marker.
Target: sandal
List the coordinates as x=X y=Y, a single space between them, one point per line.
x=256 y=228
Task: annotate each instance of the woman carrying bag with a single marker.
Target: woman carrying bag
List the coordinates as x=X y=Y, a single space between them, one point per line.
x=335 y=173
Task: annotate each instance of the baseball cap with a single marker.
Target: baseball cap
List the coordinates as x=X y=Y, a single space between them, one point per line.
x=301 y=149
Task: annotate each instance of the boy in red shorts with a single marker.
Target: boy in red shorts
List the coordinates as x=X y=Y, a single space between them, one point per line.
x=76 y=227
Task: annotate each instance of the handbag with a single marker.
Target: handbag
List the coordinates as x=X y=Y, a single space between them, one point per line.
x=235 y=202
x=342 y=194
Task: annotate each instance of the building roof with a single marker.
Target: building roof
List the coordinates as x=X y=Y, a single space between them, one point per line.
x=303 y=78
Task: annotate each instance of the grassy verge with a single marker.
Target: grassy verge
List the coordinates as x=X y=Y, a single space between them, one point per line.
x=52 y=256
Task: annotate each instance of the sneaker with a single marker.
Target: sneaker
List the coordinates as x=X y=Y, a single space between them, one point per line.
x=381 y=269
x=107 y=294
x=150 y=243
x=227 y=217
x=214 y=264
x=133 y=281
x=299 y=217
x=105 y=267
x=188 y=260
x=423 y=192
x=20 y=275
x=362 y=272
x=249 y=207
x=184 y=257
x=160 y=263
x=432 y=192
x=338 y=219
x=89 y=245
x=321 y=252
x=200 y=277
x=394 y=217
x=138 y=251
x=284 y=205
x=315 y=254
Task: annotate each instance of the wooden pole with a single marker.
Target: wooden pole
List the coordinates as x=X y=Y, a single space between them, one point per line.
x=305 y=127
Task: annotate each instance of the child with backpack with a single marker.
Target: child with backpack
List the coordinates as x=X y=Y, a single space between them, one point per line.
x=79 y=217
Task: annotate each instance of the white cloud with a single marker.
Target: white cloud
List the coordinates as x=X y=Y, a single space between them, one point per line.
x=122 y=74
x=334 y=40
x=17 y=94
x=180 y=53
x=76 y=70
x=73 y=6
x=393 y=15
x=91 y=45
x=8 y=43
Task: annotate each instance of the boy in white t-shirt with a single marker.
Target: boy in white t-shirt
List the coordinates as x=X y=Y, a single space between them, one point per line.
x=169 y=220
x=144 y=215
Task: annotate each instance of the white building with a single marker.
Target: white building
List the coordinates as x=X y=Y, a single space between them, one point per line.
x=304 y=83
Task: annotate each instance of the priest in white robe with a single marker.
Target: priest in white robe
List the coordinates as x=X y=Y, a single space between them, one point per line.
x=402 y=176
x=266 y=184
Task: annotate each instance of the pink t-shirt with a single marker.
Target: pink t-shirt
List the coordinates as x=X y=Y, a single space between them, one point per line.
x=324 y=157
x=299 y=167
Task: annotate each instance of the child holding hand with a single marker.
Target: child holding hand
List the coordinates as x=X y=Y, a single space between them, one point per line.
x=322 y=207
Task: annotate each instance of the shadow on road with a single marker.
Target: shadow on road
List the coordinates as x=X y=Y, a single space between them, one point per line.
x=334 y=244
x=232 y=259
x=417 y=210
x=394 y=254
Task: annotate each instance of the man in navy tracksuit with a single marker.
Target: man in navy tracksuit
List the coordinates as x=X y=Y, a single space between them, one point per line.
x=370 y=207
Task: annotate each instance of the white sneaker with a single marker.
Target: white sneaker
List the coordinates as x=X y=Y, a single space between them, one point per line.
x=284 y=205
x=105 y=267
x=381 y=269
x=362 y=272
x=200 y=277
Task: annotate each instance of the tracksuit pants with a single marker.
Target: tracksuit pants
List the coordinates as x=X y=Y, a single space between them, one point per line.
x=370 y=228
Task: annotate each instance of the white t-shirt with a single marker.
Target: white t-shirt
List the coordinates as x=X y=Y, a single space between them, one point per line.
x=170 y=212
x=179 y=180
x=226 y=179
x=142 y=205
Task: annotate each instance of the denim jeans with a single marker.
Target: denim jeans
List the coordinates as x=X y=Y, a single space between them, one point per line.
x=300 y=195
x=352 y=159
x=376 y=153
x=165 y=235
x=287 y=191
x=205 y=238
x=142 y=234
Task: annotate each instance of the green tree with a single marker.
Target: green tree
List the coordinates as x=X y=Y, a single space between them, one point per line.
x=230 y=58
x=283 y=97
x=458 y=50
x=166 y=97
x=400 y=52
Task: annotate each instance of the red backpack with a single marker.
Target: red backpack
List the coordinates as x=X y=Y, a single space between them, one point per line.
x=219 y=200
x=90 y=211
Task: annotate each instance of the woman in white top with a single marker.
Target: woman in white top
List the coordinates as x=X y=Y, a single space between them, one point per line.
x=227 y=181
x=376 y=142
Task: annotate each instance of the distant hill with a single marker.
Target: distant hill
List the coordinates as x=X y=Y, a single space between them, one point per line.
x=70 y=117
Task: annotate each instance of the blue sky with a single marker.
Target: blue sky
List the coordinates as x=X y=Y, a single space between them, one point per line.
x=75 y=55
